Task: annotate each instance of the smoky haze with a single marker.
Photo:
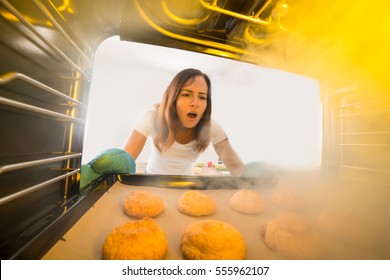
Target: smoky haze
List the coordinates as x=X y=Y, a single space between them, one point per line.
x=338 y=42
x=343 y=45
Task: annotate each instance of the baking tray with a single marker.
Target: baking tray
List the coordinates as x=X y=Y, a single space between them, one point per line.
x=198 y=182
x=85 y=239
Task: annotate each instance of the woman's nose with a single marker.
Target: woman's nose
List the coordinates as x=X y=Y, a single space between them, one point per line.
x=194 y=102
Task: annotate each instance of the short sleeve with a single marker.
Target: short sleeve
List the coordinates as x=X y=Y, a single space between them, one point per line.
x=217 y=132
x=145 y=122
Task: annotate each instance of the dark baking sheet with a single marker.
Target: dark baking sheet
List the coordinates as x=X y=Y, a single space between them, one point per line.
x=197 y=182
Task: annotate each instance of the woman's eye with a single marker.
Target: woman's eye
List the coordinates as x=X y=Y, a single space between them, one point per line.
x=203 y=97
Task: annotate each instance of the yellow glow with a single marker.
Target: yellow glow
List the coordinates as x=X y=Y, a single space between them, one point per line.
x=185 y=38
x=214 y=7
x=221 y=53
x=339 y=36
x=184 y=21
x=66 y=7
x=8 y=16
x=11 y=17
x=338 y=43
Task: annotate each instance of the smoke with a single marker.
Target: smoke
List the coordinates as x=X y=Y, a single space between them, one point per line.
x=361 y=206
x=343 y=43
x=339 y=42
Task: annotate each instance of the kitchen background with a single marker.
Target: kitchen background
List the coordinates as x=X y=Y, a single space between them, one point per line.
x=269 y=115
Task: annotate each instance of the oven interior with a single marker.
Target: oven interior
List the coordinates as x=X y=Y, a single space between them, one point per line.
x=47 y=50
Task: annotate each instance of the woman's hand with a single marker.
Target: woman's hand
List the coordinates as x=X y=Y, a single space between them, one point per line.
x=266 y=174
x=229 y=157
x=111 y=161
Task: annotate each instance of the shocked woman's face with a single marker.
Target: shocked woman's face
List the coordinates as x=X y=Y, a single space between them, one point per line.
x=191 y=102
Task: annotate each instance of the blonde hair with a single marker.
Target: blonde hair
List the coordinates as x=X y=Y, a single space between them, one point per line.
x=168 y=122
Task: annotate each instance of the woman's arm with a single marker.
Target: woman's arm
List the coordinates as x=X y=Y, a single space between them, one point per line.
x=229 y=157
x=134 y=144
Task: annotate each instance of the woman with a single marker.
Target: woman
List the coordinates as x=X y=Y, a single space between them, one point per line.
x=181 y=128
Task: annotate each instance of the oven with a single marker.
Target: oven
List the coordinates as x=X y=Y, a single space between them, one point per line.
x=47 y=50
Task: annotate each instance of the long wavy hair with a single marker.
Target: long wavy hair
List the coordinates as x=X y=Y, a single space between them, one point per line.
x=168 y=122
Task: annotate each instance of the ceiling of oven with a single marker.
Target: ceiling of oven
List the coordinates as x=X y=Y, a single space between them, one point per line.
x=338 y=41
x=334 y=41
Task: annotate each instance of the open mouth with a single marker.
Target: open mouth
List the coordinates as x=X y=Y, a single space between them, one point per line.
x=192 y=115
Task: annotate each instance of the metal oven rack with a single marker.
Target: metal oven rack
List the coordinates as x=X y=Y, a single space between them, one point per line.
x=364 y=142
x=44 y=73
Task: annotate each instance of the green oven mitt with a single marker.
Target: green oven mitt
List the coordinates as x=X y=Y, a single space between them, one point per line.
x=264 y=173
x=111 y=161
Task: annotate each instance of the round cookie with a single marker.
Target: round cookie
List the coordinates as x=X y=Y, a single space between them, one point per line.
x=247 y=202
x=195 y=203
x=136 y=240
x=140 y=204
x=212 y=240
x=289 y=200
x=292 y=237
x=346 y=227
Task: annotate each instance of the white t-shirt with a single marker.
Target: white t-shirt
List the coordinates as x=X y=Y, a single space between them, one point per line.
x=179 y=158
